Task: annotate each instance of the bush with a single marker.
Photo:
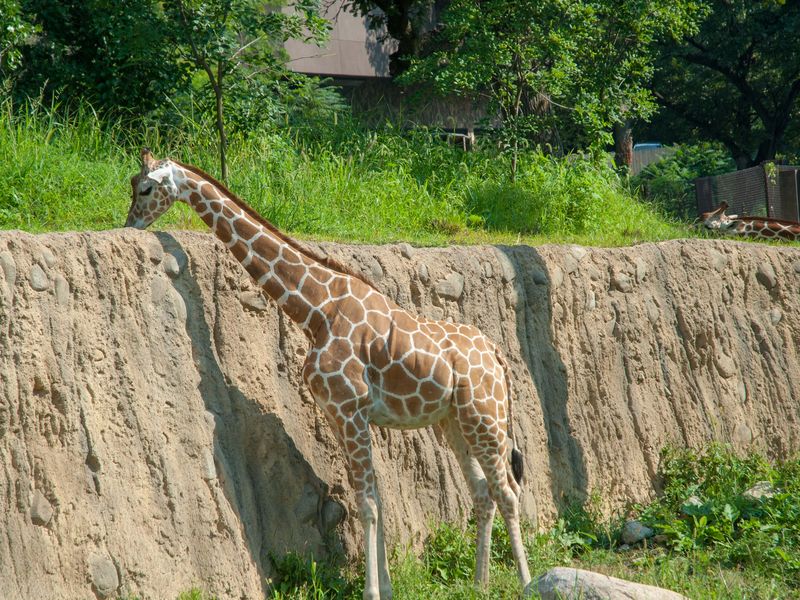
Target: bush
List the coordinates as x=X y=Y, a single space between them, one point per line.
x=669 y=182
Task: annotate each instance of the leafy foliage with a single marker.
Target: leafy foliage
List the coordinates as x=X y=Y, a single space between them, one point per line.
x=532 y=60
x=736 y=80
x=704 y=511
x=14 y=31
x=305 y=578
x=669 y=182
x=117 y=55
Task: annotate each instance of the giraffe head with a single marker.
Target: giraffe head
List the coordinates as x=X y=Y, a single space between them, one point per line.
x=154 y=191
x=717 y=219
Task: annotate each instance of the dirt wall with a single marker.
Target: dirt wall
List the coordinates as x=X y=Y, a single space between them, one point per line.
x=155 y=435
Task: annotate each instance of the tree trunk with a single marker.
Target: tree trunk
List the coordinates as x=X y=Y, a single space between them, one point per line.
x=623 y=145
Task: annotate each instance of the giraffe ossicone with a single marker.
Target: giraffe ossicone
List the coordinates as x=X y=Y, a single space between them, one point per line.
x=369 y=362
x=750 y=226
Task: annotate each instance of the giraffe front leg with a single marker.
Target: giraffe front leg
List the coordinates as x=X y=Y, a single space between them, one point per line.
x=357 y=445
x=385 y=581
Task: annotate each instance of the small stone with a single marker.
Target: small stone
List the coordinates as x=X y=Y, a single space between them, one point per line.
x=9 y=268
x=775 y=315
x=578 y=252
x=762 y=490
x=691 y=502
x=171 y=266
x=333 y=513
x=539 y=277
x=254 y=301
x=374 y=269
x=103 y=574
x=660 y=539
x=634 y=532
x=487 y=270
x=209 y=466
x=422 y=273
x=570 y=264
x=724 y=364
x=406 y=250
x=509 y=273
x=47 y=257
x=155 y=252
x=591 y=302
x=621 y=282
x=717 y=259
x=451 y=287
x=556 y=277
x=641 y=270
x=41 y=509
x=62 y=290
x=766 y=275
x=653 y=312
x=797 y=267
x=39 y=279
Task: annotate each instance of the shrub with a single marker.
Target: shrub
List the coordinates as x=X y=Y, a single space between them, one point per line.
x=669 y=182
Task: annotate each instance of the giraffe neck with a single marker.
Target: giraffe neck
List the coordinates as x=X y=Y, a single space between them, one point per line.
x=281 y=269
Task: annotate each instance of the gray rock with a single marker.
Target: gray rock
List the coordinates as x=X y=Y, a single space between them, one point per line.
x=41 y=509
x=487 y=270
x=253 y=300
x=634 y=532
x=39 y=279
x=333 y=513
x=9 y=268
x=507 y=267
x=406 y=250
x=103 y=574
x=621 y=282
x=762 y=490
x=374 y=269
x=766 y=275
x=641 y=270
x=797 y=267
x=578 y=252
x=540 y=277
x=563 y=583
x=422 y=273
x=62 y=290
x=451 y=287
x=556 y=278
x=591 y=301
x=155 y=252
x=171 y=266
x=570 y=264
x=775 y=315
x=47 y=257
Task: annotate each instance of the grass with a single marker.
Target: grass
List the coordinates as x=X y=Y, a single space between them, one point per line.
x=65 y=171
x=747 y=554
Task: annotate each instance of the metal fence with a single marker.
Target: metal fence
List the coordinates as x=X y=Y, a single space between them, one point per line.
x=768 y=190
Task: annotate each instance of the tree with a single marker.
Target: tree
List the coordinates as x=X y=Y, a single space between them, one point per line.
x=117 y=55
x=737 y=79
x=14 y=32
x=536 y=61
x=235 y=41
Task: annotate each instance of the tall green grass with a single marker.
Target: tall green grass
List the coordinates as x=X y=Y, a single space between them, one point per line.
x=64 y=170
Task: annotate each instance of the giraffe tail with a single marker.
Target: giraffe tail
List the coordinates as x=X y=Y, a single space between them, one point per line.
x=517 y=462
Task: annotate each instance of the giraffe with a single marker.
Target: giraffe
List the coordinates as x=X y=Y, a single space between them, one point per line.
x=370 y=362
x=757 y=227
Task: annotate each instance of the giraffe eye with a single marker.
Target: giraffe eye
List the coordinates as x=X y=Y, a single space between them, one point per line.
x=147 y=191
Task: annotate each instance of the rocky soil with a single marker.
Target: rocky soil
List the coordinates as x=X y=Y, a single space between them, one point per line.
x=155 y=434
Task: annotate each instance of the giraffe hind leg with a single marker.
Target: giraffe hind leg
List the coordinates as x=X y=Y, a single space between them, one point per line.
x=488 y=445
x=482 y=501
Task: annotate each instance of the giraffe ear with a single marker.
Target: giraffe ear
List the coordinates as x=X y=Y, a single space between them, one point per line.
x=159 y=174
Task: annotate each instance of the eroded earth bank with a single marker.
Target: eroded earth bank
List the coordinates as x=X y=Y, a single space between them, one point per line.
x=155 y=434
